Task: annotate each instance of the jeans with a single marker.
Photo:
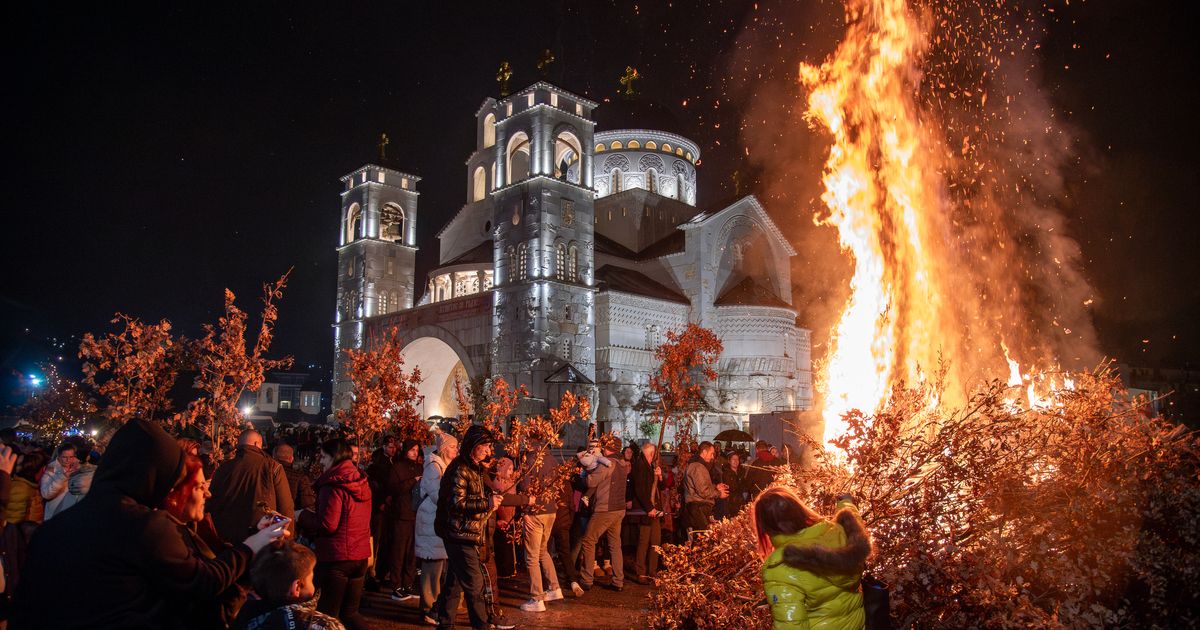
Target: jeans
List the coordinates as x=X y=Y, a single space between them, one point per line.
x=466 y=577
x=404 y=559
x=603 y=524
x=432 y=574
x=537 y=553
x=649 y=534
x=341 y=584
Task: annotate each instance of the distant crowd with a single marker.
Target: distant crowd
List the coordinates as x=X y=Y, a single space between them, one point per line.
x=293 y=527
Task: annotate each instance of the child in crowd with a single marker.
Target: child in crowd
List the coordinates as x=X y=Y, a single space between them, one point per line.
x=282 y=576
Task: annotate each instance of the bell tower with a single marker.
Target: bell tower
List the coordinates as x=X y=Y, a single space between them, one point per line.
x=376 y=258
x=542 y=205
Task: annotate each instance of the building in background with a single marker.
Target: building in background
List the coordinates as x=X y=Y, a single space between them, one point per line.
x=287 y=397
x=576 y=251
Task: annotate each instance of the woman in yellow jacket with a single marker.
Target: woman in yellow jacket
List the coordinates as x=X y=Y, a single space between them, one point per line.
x=25 y=501
x=813 y=566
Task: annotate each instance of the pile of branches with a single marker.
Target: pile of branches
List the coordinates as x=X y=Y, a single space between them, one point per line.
x=1081 y=512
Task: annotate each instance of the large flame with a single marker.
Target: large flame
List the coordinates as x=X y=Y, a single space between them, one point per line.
x=941 y=276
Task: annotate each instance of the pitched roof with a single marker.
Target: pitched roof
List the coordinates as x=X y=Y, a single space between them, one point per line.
x=568 y=374
x=614 y=278
x=481 y=253
x=750 y=293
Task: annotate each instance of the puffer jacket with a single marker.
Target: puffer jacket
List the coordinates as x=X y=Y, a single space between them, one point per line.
x=341 y=525
x=812 y=578
x=429 y=546
x=24 y=503
x=464 y=503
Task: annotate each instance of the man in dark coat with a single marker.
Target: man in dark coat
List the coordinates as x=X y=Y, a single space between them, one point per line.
x=647 y=511
x=242 y=485
x=462 y=514
x=405 y=474
x=136 y=566
x=378 y=472
x=299 y=483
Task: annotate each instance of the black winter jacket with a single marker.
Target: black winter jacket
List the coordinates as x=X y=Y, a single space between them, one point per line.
x=137 y=567
x=464 y=503
x=240 y=484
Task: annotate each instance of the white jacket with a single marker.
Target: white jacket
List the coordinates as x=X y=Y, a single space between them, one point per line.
x=54 y=487
x=429 y=546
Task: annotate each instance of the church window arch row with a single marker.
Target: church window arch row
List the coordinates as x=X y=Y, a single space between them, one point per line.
x=560 y=260
x=523 y=261
x=567 y=151
x=573 y=261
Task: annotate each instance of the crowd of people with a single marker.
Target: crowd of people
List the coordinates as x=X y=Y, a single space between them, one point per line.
x=293 y=527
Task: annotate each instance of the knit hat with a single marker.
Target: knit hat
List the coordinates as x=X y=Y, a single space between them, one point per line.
x=443 y=440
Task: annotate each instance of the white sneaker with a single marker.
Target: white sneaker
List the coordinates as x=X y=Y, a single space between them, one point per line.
x=534 y=605
x=553 y=595
x=577 y=589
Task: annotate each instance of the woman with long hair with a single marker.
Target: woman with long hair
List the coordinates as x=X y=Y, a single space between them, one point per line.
x=813 y=567
x=340 y=527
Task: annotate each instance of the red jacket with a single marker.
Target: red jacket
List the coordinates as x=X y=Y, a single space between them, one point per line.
x=341 y=525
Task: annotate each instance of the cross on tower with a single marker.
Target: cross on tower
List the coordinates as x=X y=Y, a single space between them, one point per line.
x=502 y=77
x=383 y=143
x=543 y=64
x=627 y=79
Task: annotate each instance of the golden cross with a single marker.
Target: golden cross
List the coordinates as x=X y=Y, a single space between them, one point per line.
x=627 y=79
x=502 y=77
x=543 y=64
x=383 y=143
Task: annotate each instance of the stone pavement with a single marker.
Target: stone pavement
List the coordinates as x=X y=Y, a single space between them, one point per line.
x=598 y=609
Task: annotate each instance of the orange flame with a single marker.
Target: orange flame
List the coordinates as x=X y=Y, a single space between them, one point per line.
x=918 y=293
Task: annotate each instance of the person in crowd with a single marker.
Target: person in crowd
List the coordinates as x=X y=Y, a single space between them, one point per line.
x=761 y=475
x=567 y=532
x=137 y=564
x=25 y=501
x=812 y=567
x=700 y=491
x=538 y=523
x=282 y=577
x=405 y=475
x=607 y=484
x=429 y=547
x=382 y=515
x=464 y=506
x=299 y=483
x=58 y=473
x=78 y=485
x=734 y=476
x=355 y=456
x=185 y=505
x=647 y=512
x=14 y=541
x=503 y=531
x=340 y=527
x=248 y=487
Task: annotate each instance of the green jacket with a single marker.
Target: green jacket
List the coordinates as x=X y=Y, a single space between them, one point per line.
x=825 y=593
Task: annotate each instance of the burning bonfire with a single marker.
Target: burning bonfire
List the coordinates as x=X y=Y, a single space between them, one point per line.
x=1003 y=486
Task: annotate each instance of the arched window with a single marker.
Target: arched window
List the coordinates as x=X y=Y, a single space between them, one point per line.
x=489 y=131
x=479 y=184
x=651 y=145
x=523 y=261
x=560 y=261
x=384 y=306
x=519 y=157
x=634 y=144
x=391 y=223
x=652 y=181
x=353 y=222
x=493 y=179
x=616 y=180
x=666 y=147
x=600 y=148
x=512 y=264
x=573 y=262
x=616 y=144
x=566 y=151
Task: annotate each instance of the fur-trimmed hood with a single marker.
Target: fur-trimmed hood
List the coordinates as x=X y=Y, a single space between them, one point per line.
x=848 y=559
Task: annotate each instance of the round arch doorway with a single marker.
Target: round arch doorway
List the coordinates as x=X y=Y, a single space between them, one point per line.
x=439 y=363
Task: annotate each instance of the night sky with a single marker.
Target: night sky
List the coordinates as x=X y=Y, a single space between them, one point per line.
x=158 y=155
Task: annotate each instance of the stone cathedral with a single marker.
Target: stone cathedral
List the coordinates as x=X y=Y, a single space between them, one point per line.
x=577 y=249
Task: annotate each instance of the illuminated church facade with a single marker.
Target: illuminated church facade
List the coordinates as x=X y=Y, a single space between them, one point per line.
x=577 y=250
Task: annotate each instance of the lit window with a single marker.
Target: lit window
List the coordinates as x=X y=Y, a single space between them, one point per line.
x=489 y=130
x=573 y=262
x=554 y=99
x=508 y=109
x=616 y=144
x=578 y=109
x=600 y=148
x=404 y=182
x=689 y=156
x=285 y=404
x=679 y=151
x=364 y=177
x=530 y=99
x=651 y=145
x=560 y=261
x=634 y=144
x=382 y=177
x=523 y=261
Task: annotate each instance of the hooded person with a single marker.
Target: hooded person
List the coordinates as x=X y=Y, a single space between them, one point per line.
x=463 y=508
x=403 y=477
x=429 y=548
x=138 y=568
